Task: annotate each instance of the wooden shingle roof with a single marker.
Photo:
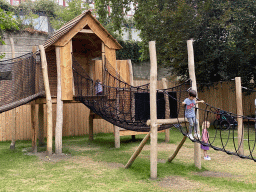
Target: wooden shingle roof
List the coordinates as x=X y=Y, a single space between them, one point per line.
x=71 y=24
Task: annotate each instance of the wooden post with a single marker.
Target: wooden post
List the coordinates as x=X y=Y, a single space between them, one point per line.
x=167 y=110
x=117 y=136
x=103 y=65
x=137 y=152
x=153 y=110
x=91 y=117
x=33 y=118
x=48 y=100
x=33 y=124
x=13 y=122
x=41 y=125
x=239 y=106
x=192 y=75
x=59 y=108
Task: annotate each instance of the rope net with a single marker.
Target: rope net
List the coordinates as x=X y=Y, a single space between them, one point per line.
x=124 y=105
x=20 y=81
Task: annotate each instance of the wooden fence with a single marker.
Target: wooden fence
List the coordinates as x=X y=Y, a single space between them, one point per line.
x=76 y=115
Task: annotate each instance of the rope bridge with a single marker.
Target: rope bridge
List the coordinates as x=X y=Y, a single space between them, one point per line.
x=124 y=105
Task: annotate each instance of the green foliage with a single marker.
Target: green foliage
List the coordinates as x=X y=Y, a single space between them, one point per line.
x=6 y=6
x=65 y=14
x=7 y=22
x=223 y=33
x=131 y=50
x=115 y=18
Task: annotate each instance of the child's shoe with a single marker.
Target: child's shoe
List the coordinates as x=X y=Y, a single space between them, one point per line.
x=207 y=158
x=190 y=136
x=197 y=136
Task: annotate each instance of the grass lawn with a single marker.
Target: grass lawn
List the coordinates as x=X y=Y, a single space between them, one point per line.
x=98 y=166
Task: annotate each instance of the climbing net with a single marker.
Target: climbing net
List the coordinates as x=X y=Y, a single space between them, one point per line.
x=124 y=105
x=20 y=81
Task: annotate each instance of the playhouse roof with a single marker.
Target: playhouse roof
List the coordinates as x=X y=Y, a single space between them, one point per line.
x=74 y=26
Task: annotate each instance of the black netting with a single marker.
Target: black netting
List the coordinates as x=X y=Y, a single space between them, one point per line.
x=124 y=105
x=20 y=81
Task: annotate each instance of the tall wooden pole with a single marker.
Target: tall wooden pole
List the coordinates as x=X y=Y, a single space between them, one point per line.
x=192 y=75
x=167 y=109
x=33 y=118
x=48 y=100
x=239 y=106
x=13 y=127
x=153 y=110
x=59 y=110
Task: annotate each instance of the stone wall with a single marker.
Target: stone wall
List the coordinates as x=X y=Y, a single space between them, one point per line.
x=141 y=71
x=23 y=43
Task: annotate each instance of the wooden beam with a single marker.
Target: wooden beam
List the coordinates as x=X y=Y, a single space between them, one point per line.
x=48 y=100
x=91 y=117
x=59 y=108
x=13 y=111
x=66 y=74
x=41 y=125
x=137 y=151
x=192 y=75
x=34 y=113
x=167 y=109
x=153 y=110
x=117 y=136
x=95 y=26
x=168 y=121
x=33 y=123
x=86 y=31
x=239 y=106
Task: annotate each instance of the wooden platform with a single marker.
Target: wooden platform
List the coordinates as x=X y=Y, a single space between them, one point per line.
x=124 y=132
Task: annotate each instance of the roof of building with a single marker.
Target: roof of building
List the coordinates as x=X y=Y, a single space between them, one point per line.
x=71 y=24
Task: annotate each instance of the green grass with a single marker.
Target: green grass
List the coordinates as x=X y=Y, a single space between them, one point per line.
x=88 y=167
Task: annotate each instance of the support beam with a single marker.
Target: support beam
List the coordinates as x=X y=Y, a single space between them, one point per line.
x=13 y=122
x=192 y=76
x=239 y=106
x=117 y=136
x=137 y=151
x=153 y=110
x=91 y=117
x=168 y=121
x=41 y=125
x=33 y=118
x=48 y=100
x=33 y=124
x=167 y=110
x=59 y=108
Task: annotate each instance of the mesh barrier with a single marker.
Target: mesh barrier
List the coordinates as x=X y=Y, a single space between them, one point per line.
x=124 y=105
x=20 y=81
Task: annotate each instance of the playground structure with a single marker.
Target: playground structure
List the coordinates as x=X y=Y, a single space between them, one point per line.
x=72 y=60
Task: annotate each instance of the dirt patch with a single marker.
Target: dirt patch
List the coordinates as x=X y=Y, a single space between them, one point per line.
x=77 y=148
x=215 y=174
x=180 y=183
x=52 y=158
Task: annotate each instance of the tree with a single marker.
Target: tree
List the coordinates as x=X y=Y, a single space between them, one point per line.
x=65 y=14
x=7 y=22
x=223 y=33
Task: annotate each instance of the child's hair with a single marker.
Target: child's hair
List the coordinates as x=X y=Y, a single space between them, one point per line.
x=97 y=81
x=205 y=124
x=192 y=93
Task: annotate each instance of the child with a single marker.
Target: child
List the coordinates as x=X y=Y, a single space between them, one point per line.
x=190 y=112
x=205 y=137
x=98 y=87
